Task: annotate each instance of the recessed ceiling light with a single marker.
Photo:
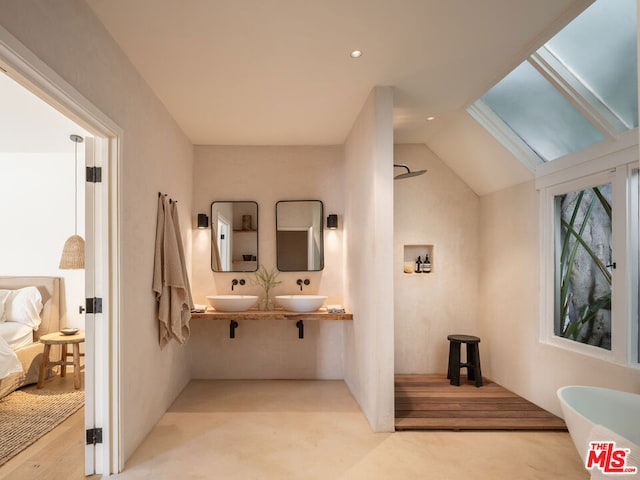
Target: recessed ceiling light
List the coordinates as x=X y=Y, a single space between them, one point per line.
x=356 y=54
x=430 y=118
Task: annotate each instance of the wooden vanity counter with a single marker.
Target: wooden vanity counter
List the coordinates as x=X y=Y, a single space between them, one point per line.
x=276 y=314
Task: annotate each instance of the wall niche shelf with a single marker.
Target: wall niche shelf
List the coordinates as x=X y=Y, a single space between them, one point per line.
x=410 y=257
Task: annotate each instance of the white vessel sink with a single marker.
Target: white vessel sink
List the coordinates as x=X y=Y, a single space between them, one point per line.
x=232 y=303
x=300 y=303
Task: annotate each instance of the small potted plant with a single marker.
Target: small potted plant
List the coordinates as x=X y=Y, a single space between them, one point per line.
x=267 y=279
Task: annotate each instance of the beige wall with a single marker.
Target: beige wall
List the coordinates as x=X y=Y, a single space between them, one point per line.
x=509 y=308
x=368 y=273
x=156 y=156
x=268 y=349
x=437 y=209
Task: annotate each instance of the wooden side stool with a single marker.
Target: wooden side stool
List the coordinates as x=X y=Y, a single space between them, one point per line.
x=473 y=359
x=64 y=341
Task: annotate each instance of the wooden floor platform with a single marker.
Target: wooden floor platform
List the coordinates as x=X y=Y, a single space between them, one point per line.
x=429 y=402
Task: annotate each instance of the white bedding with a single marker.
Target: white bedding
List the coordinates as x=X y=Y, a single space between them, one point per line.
x=9 y=362
x=16 y=334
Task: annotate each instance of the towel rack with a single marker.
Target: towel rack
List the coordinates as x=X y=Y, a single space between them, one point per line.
x=170 y=199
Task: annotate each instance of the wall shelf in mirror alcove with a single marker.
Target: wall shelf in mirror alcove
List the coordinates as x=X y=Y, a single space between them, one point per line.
x=418 y=259
x=234 y=236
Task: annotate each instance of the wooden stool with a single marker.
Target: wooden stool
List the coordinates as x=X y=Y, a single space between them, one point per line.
x=64 y=341
x=473 y=359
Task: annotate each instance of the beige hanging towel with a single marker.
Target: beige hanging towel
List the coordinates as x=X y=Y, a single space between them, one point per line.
x=170 y=281
x=183 y=263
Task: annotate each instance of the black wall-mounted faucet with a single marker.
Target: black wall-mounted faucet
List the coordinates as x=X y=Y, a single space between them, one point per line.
x=235 y=282
x=299 y=282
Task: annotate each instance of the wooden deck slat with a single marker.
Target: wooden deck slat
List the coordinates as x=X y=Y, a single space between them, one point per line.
x=472 y=414
x=476 y=424
x=454 y=405
x=449 y=398
x=462 y=394
x=429 y=402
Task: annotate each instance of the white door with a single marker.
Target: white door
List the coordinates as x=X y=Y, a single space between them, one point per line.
x=102 y=367
x=97 y=322
x=90 y=318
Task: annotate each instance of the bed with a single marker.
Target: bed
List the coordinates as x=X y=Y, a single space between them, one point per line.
x=25 y=342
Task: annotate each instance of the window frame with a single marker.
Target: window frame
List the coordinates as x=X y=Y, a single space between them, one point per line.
x=618 y=168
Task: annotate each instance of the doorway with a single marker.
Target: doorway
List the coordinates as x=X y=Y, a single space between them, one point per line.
x=101 y=247
x=223 y=243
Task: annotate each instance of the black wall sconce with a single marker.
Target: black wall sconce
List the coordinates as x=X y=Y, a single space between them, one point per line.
x=332 y=221
x=203 y=220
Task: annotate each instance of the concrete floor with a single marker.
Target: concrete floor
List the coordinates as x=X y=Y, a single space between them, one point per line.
x=315 y=430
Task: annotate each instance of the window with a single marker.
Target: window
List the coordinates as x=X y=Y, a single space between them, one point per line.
x=590 y=262
x=583 y=262
x=543 y=118
x=600 y=47
x=634 y=224
x=577 y=90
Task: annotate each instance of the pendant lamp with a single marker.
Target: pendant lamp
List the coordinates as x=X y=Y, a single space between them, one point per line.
x=73 y=251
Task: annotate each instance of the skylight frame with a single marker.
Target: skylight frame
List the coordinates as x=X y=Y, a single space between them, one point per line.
x=579 y=94
x=497 y=127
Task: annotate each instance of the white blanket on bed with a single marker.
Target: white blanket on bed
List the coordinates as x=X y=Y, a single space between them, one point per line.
x=9 y=362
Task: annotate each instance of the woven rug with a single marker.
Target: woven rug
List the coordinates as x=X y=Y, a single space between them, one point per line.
x=26 y=415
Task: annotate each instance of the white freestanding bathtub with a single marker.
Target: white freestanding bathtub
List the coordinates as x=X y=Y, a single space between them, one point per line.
x=591 y=412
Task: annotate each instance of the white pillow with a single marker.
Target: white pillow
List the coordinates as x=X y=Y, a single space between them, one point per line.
x=3 y=298
x=24 y=306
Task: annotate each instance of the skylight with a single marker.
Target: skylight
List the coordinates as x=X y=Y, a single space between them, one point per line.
x=600 y=47
x=580 y=88
x=540 y=114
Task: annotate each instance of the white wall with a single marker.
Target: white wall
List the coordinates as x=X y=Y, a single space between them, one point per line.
x=437 y=209
x=156 y=156
x=509 y=308
x=267 y=349
x=37 y=211
x=368 y=231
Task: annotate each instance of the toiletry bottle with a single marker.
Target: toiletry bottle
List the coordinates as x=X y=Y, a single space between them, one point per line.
x=426 y=265
x=418 y=265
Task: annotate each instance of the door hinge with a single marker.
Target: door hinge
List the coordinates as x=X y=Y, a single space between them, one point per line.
x=94 y=436
x=94 y=305
x=94 y=174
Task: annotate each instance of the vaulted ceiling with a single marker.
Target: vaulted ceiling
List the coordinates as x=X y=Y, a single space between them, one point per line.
x=278 y=72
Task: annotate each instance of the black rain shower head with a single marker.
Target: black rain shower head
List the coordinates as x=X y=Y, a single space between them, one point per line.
x=409 y=172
